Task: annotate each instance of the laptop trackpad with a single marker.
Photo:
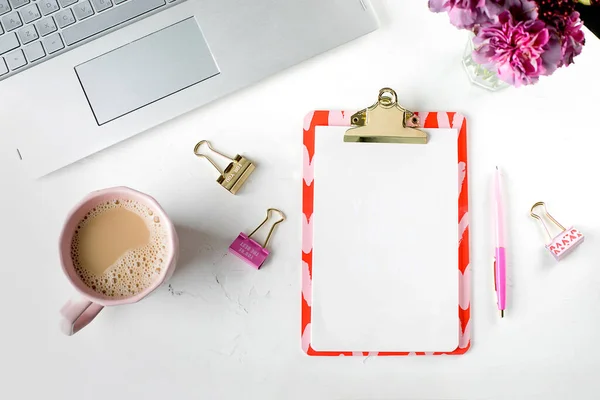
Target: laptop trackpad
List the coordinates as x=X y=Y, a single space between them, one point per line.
x=147 y=70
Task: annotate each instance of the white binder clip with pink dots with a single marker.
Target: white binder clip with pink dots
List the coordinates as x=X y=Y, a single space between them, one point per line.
x=563 y=243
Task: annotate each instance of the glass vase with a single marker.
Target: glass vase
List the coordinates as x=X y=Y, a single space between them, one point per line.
x=478 y=74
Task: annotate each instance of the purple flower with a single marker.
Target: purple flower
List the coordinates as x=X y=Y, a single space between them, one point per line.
x=573 y=39
x=522 y=10
x=468 y=13
x=519 y=51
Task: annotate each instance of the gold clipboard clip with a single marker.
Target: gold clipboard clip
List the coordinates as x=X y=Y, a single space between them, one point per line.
x=386 y=121
x=236 y=173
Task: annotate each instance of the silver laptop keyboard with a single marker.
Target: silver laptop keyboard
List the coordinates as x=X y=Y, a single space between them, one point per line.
x=32 y=31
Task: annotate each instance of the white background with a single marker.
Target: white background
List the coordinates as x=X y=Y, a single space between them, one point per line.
x=226 y=331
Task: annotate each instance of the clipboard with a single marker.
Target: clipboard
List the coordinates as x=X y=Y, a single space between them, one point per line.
x=370 y=291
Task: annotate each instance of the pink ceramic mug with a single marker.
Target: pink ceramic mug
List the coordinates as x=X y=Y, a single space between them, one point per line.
x=78 y=312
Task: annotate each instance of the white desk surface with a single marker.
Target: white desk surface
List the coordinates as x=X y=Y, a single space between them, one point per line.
x=225 y=331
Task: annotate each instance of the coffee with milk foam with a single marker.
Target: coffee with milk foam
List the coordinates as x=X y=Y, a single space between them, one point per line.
x=119 y=248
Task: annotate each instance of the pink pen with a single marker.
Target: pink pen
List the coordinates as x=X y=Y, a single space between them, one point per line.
x=500 y=251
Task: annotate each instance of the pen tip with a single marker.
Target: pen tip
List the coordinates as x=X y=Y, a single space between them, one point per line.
x=496 y=168
x=501 y=313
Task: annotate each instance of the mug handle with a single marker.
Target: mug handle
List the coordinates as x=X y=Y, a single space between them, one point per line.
x=77 y=314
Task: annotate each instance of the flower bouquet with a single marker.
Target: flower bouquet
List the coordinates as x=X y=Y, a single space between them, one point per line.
x=517 y=41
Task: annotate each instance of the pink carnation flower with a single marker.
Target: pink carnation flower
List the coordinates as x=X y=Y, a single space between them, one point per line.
x=519 y=51
x=468 y=13
x=573 y=39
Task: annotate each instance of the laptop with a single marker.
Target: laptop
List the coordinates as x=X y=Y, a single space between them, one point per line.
x=78 y=76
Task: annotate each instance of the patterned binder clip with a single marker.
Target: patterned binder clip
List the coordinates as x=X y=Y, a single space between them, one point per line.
x=563 y=243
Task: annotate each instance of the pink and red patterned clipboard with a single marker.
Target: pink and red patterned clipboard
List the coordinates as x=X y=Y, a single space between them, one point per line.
x=430 y=120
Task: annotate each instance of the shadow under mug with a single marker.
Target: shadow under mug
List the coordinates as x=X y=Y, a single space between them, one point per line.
x=81 y=310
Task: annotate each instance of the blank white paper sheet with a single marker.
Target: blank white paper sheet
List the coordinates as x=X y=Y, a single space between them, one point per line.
x=385 y=254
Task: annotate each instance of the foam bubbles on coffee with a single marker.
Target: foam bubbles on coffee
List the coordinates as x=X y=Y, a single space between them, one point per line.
x=137 y=268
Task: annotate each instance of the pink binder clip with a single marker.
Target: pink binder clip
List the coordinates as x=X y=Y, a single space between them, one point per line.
x=563 y=243
x=248 y=250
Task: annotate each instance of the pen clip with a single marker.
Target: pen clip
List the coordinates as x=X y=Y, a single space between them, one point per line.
x=495 y=265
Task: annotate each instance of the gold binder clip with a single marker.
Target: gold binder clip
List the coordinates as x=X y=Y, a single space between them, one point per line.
x=385 y=122
x=236 y=173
